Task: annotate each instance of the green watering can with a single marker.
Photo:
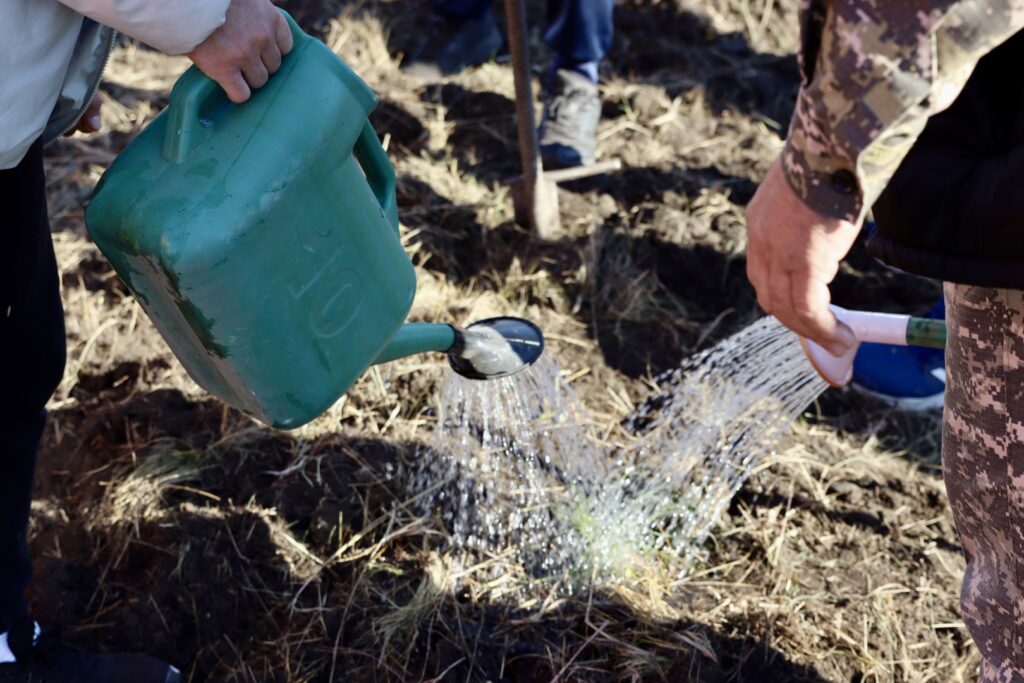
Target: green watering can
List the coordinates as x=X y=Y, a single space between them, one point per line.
x=262 y=240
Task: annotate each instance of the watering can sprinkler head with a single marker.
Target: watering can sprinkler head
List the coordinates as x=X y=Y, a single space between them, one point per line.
x=487 y=349
x=495 y=348
x=877 y=328
x=836 y=370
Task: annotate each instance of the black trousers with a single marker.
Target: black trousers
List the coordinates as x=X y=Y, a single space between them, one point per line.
x=32 y=351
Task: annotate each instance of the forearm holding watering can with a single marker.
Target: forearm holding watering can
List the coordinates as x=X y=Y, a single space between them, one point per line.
x=237 y=43
x=863 y=102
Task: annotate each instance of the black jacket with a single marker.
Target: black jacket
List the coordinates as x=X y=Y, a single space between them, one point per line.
x=954 y=211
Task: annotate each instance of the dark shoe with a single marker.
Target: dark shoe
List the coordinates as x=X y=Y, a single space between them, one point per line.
x=454 y=47
x=46 y=658
x=568 y=132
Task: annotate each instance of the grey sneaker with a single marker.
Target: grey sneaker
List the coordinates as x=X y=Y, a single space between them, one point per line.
x=454 y=47
x=568 y=132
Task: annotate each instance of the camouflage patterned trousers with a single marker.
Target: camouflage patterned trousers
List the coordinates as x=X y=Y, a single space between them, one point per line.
x=983 y=465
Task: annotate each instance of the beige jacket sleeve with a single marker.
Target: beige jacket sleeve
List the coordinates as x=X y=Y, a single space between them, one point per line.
x=172 y=26
x=872 y=72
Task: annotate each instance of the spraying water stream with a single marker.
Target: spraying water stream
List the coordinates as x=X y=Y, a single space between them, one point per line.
x=515 y=467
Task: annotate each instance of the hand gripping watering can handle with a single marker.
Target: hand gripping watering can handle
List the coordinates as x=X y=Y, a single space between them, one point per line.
x=194 y=90
x=380 y=174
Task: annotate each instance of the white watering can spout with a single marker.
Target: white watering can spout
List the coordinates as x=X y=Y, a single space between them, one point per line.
x=879 y=328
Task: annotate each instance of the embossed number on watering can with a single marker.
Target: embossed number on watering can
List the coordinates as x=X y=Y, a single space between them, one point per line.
x=333 y=297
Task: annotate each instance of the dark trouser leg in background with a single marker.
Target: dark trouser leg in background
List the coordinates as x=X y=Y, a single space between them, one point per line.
x=463 y=9
x=579 y=31
x=580 y=34
x=31 y=362
x=467 y=37
x=983 y=465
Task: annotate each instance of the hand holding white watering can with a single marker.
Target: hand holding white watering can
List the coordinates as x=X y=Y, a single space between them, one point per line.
x=793 y=253
x=791 y=262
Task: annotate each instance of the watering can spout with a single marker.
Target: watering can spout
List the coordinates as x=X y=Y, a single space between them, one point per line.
x=413 y=338
x=487 y=349
x=878 y=328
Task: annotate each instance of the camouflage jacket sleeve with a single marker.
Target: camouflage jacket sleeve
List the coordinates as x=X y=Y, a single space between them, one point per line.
x=872 y=72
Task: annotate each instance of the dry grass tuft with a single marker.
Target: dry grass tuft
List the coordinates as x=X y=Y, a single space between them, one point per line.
x=138 y=495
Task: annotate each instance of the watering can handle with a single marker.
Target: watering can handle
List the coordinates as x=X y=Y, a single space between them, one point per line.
x=185 y=130
x=380 y=174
